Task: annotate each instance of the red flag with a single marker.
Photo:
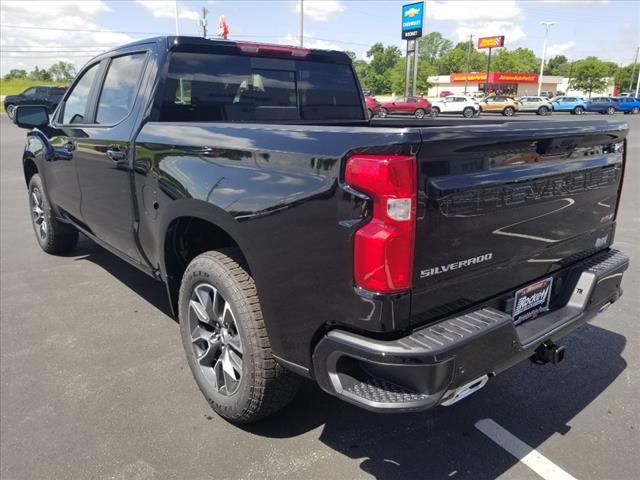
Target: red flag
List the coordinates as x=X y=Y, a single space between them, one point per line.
x=223 y=28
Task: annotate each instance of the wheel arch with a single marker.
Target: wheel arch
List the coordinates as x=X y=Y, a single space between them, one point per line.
x=29 y=168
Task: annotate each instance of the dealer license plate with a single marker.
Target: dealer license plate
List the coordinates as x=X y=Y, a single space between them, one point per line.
x=532 y=301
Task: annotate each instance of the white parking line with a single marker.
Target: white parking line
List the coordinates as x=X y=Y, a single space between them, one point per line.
x=523 y=452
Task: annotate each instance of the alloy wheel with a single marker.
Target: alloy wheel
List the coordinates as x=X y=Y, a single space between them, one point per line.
x=37 y=214
x=215 y=339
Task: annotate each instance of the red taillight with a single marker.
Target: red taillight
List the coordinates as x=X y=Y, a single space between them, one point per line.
x=250 y=47
x=383 y=248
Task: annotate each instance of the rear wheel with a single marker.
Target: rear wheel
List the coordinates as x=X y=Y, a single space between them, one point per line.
x=543 y=111
x=610 y=110
x=11 y=110
x=419 y=113
x=435 y=111
x=468 y=112
x=383 y=112
x=226 y=342
x=370 y=112
x=509 y=111
x=53 y=236
x=578 y=110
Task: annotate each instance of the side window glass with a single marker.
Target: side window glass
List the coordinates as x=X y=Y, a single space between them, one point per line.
x=29 y=92
x=120 y=88
x=76 y=103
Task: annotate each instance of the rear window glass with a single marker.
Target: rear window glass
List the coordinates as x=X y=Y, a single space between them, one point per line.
x=219 y=88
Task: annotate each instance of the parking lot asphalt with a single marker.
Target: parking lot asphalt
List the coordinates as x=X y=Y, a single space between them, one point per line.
x=94 y=383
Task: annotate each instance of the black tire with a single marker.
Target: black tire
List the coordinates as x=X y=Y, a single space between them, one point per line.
x=383 y=113
x=52 y=235
x=264 y=386
x=10 y=109
x=435 y=111
x=371 y=115
x=610 y=110
x=509 y=112
x=543 y=111
x=419 y=113
x=578 y=111
x=468 y=112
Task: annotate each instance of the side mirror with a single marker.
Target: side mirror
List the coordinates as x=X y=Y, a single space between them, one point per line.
x=31 y=116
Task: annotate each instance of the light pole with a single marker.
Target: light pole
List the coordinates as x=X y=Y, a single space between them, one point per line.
x=544 y=52
x=301 y=23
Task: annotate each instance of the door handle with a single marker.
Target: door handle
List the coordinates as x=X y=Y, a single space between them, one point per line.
x=116 y=155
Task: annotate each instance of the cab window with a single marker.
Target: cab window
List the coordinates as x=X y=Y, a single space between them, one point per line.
x=120 y=88
x=29 y=92
x=75 y=107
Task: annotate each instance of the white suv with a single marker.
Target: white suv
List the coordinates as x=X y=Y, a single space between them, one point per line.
x=468 y=107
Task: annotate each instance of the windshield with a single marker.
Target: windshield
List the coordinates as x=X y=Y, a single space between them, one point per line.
x=213 y=87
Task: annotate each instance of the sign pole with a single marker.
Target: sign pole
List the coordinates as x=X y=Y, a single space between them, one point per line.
x=486 y=80
x=415 y=67
x=406 y=71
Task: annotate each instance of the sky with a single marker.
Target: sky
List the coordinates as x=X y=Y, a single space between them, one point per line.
x=75 y=31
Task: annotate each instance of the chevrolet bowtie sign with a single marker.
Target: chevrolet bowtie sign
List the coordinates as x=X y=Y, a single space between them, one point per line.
x=412 y=16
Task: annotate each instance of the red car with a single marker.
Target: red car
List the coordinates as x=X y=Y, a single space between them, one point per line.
x=445 y=93
x=373 y=106
x=416 y=106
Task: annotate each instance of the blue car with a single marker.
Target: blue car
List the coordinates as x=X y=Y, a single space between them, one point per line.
x=628 y=105
x=575 y=105
x=603 y=105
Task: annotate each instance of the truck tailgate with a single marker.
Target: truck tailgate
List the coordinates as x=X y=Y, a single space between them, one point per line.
x=500 y=206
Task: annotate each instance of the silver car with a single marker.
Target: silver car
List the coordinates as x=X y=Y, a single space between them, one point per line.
x=540 y=105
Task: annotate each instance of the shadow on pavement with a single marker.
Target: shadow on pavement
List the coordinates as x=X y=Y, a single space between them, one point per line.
x=532 y=402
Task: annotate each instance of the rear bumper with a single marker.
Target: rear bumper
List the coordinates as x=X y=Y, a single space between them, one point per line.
x=429 y=367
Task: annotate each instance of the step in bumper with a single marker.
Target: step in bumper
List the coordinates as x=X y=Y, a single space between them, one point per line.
x=428 y=367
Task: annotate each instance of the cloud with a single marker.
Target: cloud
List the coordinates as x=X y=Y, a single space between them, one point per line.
x=560 y=48
x=166 y=9
x=471 y=10
x=50 y=46
x=309 y=41
x=321 y=10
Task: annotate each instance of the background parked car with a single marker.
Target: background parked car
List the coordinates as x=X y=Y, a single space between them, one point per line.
x=575 y=105
x=499 y=104
x=373 y=106
x=45 y=95
x=416 y=106
x=540 y=105
x=455 y=104
x=628 y=104
x=603 y=105
x=445 y=93
x=547 y=94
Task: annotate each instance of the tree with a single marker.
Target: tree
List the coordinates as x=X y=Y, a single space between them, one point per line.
x=455 y=60
x=589 y=75
x=15 y=73
x=433 y=46
x=383 y=58
x=62 y=71
x=37 y=74
x=521 y=60
x=425 y=70
x=622 y=78
x=558 y=65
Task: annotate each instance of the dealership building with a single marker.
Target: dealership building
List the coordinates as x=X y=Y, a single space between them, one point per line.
x=505 y=83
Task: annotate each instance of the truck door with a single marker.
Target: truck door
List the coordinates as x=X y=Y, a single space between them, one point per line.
x=103 y=159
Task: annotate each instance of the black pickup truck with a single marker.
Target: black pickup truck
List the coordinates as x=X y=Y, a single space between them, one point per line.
x=45 y=95
x=399 y=264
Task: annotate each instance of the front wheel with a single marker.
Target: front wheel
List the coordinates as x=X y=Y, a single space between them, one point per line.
x=226 y=342
x=419 y=113
x=635 y=110
x=383 y=113
x=52 y=235
x=468 y=112
x=435 y=111
x=611 y=110
x=509 y=112
x=11 y=110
